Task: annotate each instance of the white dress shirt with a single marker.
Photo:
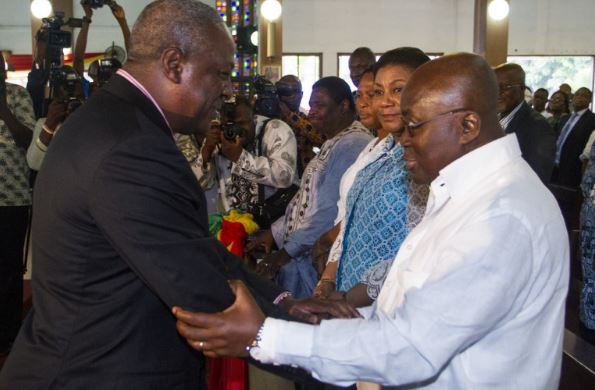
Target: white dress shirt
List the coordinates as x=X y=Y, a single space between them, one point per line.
x=275 y=169
x=474 y=299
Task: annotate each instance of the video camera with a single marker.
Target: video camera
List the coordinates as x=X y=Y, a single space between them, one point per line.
x=230 y=129
x=98 y=3
x=66 y=80
x=56 y=39
x=51 y=32
x=267 y=101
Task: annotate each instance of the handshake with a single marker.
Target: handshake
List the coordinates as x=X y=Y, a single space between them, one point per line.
x=232 y=331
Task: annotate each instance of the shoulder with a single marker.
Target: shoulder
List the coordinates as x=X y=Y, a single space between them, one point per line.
x=278 y=125
x=356 y=133
x=535 y=121
x=18 y=93
x=15 y=88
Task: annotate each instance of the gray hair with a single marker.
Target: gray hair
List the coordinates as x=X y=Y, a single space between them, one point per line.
x=185 y=24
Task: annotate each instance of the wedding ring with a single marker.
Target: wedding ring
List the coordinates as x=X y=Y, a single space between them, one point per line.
x=201 y=344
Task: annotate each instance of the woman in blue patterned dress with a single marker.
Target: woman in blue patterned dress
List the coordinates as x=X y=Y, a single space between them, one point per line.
x=587 y=244
x=382 y=204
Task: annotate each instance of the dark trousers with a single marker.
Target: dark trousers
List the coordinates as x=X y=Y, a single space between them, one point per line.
x=13 y=227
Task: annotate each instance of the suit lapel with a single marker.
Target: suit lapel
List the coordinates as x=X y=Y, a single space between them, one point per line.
x=518 y=118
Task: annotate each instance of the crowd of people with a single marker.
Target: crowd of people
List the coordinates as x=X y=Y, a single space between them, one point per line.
x=413 y=232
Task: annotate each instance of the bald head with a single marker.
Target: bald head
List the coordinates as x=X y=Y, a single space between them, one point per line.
x=361 y=59
x=456 y=81
x=449 y=106
x=517 y=71
x=184 y=24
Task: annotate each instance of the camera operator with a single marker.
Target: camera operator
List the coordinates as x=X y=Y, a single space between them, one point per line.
x=81 y=40
x=250 y=157
x=289 y=90
x=17 y=118
x=68 y=96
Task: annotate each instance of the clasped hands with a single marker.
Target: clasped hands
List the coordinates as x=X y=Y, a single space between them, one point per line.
x=230 y=332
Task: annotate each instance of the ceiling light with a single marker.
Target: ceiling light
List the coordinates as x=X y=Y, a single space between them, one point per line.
x=41 y=8
x=498 y=9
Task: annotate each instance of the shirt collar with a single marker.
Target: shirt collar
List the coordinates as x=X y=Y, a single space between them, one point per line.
x=504 y=121
x=581 y=112
x=463 y=175
x=141 y=88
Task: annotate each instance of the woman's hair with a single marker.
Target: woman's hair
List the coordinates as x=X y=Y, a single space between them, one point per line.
x=410 y=57
x=337 y=89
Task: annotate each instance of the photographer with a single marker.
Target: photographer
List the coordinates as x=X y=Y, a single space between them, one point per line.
x=16 y=120
x=81 y=40
x=251 y=164
x=289 y=90
x=68 y=96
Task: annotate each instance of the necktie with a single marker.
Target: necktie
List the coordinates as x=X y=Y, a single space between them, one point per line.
x=563 y=135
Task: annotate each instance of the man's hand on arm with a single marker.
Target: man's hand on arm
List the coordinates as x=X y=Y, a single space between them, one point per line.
x=226 y=333
x=314 y=310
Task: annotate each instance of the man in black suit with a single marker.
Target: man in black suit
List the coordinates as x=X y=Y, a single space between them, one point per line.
x=536 y=137
x=120 y=227
x=574 y=133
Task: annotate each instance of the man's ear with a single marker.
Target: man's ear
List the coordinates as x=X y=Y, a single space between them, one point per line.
x=172 y=64
x=471 y=127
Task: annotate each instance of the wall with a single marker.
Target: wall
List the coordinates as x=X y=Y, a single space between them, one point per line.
x=332 y=26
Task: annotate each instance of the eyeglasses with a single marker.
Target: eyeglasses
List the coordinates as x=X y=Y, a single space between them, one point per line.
x=410 y=127
x=505 y=87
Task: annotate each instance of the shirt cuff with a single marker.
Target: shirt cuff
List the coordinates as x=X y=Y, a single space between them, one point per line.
x=281 y=339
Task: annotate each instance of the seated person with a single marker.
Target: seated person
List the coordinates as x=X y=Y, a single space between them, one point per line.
x=381 y=204
x=314 y=208
x=261 y=158
x=68 y=96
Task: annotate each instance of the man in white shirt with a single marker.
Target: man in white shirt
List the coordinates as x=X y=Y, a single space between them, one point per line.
x=475 y=297
x=263 y=157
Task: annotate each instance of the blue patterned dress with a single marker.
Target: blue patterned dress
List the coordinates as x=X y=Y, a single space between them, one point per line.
x=587 y=243
x=376 y=219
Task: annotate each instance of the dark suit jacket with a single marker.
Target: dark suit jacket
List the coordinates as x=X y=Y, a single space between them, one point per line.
x=120 y=236
x=569 y=171
x=536 y=139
